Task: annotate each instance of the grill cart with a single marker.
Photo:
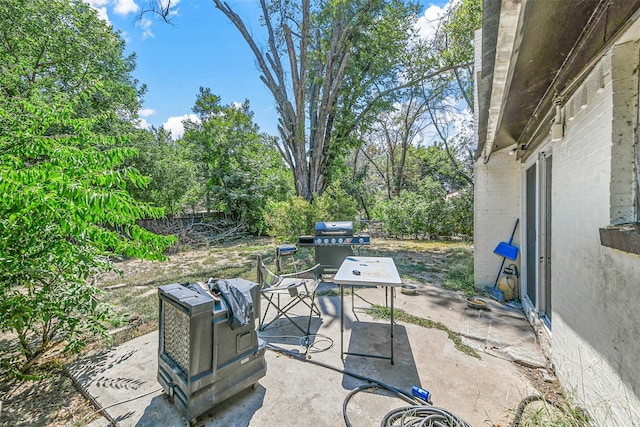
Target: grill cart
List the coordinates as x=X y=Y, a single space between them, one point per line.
x=333 y=242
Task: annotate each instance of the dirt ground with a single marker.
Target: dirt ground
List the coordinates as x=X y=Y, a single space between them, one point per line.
x=54 y=401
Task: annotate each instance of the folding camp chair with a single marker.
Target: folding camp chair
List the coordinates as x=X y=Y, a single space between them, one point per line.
x=283 y=292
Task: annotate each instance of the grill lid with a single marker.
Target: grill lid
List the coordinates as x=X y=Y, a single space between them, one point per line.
x=336 y=228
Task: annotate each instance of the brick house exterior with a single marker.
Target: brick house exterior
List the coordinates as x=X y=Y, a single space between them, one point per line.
x=557 y=107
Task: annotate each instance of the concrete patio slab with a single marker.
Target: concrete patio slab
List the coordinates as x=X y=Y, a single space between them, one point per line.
x=484 y=391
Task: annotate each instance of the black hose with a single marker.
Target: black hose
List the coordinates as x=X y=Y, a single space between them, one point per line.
x=432 y=413
x=533 y=398
x=342 y=371
x=372 y=387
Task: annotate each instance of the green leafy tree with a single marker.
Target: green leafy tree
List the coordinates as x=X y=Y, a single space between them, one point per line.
x=289 y=219
x=434 y=162
x=240 y=167
x=450 y=95
x=64 y=213
x=173 y=178
x=330 y=66
x=455 y=43
x=66 y=104
x=336 y=204
x=416 y=214
x=61 y=46
x=442 y=104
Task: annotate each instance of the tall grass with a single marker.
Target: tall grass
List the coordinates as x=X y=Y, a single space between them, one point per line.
x=460 y=277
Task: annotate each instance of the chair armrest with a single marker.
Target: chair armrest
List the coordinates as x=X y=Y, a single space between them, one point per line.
x=297 y=273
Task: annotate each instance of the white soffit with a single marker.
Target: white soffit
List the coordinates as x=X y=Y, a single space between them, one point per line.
x=507 y=46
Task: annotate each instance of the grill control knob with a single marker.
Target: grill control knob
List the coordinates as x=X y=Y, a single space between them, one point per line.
x=340 y=240
x=333 y=240
x=361 y=240
x=326 y=241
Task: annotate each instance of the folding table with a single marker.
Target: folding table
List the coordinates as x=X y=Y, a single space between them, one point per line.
x=361 y=270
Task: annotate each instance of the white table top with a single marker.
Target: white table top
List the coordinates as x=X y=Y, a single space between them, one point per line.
x=372 y=271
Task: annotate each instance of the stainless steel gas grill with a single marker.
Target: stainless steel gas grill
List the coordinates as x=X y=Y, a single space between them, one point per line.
x=333 y=242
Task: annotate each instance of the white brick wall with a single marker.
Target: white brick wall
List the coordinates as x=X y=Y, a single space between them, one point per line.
x=596 y=290
x=590 y=383
x=496 y=207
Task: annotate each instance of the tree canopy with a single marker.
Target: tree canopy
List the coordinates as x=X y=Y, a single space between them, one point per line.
x=66 y=104
x=239 y=167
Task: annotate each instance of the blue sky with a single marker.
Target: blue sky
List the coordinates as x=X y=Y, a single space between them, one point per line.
x=200 y=48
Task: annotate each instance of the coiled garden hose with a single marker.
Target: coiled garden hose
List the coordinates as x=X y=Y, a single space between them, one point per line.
x=374 y=387
x=425 y=415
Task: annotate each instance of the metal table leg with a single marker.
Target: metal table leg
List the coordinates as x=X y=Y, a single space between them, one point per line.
x=341 y=322
x=393 y=294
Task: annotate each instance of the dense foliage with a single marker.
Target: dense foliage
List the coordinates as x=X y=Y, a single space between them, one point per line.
x=65 y=208
x=288 y=219
x=367 y=107
x=173 y=178
x=241 y=170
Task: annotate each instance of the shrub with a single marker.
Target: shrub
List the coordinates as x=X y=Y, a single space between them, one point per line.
x=296 y=216
x=459 y=213
x=289 y=219
x=427 y=213
x=416 y=214
x=335 y=204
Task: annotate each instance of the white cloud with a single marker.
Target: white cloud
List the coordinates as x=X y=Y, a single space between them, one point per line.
x=124 y=7
x=146 y=112
x=428 y=23
x=174 y=124
x=142 y=124
x=97 y=3
x=145 y=24
x=101 y=7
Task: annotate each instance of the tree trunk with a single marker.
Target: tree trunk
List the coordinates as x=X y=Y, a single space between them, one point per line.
x=317 y=86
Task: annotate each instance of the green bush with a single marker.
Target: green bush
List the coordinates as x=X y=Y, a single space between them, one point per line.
x=289 y=219
x=415 y=214
x=427 y=213
x=335 y=204
x=460 y=213
x=296 y=216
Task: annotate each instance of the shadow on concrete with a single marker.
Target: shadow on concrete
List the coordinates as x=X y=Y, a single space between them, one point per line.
x=155 y=414
x=373 y=338
x=283 y=333
x=90 y=371
x=237 y=410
